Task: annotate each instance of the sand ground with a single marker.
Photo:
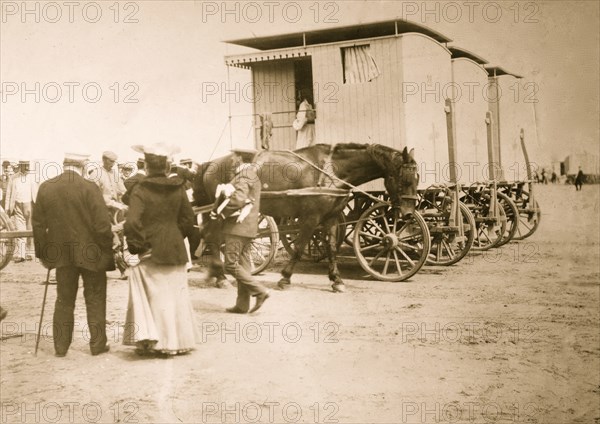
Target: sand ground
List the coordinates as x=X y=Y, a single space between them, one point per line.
x=507 y=336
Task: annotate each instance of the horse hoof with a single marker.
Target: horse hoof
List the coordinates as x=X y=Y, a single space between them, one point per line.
x=339 y=288
x=283 y=285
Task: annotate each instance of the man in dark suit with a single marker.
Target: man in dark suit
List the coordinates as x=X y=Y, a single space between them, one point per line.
x=72 y=233
x=134 y=179
x=240 y=226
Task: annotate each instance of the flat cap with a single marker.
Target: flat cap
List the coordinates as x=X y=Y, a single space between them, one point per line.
x=23 y=162
x=109 y=155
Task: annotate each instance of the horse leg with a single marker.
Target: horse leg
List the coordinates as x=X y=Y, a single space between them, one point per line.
x=304 y=235
x=332 y=246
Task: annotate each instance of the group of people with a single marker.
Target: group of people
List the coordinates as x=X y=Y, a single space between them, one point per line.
x=73 y=234
x=543 y=178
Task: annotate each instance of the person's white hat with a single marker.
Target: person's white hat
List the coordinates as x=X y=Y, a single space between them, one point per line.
x=76 y=159
x=157 y=149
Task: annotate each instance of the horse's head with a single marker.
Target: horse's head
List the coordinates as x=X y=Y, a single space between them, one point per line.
x=401 y=182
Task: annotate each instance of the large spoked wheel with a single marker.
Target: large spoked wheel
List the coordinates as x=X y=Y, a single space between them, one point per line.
x=512 y=218
x=489 y=230
x=352 y=212
x=389 y=247
x=7 y=245
x=448 y=247
x=530 y=217
x=263 y=248
x=316 y=249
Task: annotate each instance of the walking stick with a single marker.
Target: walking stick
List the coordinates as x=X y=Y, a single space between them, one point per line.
x=37 y=340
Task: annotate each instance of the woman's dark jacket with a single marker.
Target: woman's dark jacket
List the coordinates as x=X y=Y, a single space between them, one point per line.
x=159 y=218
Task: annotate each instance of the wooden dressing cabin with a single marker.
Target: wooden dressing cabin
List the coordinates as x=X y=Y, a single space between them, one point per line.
x=469 y=145
x=511 y=103
x=384 y=82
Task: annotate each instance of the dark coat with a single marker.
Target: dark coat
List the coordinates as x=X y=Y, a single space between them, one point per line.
x=71 y=225
x=159 y=218
x=129 y=183
x=247 y=189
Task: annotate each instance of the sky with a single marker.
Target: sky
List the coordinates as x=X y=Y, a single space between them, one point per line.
x=92 y=76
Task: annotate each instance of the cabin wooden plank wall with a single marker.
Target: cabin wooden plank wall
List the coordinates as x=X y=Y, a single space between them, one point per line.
x=361 y=112
x=512 y=109
x=426 y=67
x=380 y=111
x=471 y=149
x=273 y=83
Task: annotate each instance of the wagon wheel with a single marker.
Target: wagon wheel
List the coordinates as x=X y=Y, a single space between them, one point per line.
x=530 y=217
x=447 y=247
x=263 y=248
x=512 y=220
x=489 y=230
x=389 y=247
x=7 y=245
x=316 y=248
x=352 y=212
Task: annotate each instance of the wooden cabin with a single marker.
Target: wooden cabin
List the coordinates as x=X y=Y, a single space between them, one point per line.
x=469 y=144
x=393 y=94
x=511 y=103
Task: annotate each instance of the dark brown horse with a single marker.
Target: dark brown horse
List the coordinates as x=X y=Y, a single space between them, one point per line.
x=313 y=185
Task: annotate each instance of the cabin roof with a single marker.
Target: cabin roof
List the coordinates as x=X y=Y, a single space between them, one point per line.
x=496 y=71
x=458 y=52
x=343 y=33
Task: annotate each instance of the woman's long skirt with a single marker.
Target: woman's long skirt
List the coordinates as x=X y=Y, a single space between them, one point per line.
x=160 y=317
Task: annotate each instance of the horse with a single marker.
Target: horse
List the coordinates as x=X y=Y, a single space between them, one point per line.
x=313 y=185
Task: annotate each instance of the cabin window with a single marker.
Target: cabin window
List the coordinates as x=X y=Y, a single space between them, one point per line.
x=358 y=64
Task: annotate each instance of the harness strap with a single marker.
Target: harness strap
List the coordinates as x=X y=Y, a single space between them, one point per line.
x=327 y=161
x=332 y=176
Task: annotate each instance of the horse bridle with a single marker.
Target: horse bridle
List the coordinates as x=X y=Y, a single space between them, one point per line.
x=403 y=170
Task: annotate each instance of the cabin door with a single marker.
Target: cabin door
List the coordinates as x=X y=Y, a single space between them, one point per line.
x=274 y=99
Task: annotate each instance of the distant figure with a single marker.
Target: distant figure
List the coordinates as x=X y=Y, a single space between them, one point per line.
x=579 y=180
x=130 y=182
x=7 y=172
x=553 y=178
x=21 y=194
x=544 y=178
x=305 y=121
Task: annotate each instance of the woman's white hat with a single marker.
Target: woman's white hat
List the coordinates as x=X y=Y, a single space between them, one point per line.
x=157 y=149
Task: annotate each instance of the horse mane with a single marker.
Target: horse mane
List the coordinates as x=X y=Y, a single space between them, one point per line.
x=386 y=157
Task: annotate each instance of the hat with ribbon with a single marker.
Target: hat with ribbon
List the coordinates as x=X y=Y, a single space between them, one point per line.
x=157 y=149
x=76 y=159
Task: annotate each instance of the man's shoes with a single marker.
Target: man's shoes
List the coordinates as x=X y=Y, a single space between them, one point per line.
x=235 y=310
x=19 y=260
x=105 y=349
x=3 y=313
x=60 y=354
x=260 y=299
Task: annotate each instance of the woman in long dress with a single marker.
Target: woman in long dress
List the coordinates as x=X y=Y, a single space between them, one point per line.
x=304 y=123
x=160 y=318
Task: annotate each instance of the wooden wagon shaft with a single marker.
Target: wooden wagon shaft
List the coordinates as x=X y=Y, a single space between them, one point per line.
x=15 y=234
